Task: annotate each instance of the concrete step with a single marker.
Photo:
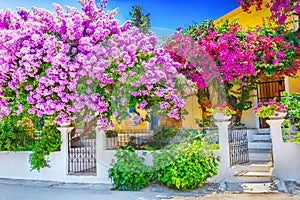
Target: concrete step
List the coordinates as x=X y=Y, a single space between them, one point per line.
x=267 y=174
x=263 y=131
x=264 y=187
x=254 y=167
x=250 y=179
x=260 y=156
x=257 y=150
x=261 y=138
x=259 y=145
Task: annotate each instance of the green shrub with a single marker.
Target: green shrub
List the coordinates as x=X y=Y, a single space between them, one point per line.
x=128 y=171
x=292 y=101
x=15 y=134
x=186 y=165
x=111 y=133
x=50 y=141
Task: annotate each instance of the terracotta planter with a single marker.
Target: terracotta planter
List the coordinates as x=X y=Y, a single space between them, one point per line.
x=221 y=117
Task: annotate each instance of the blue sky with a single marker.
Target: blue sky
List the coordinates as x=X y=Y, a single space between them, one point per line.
x=168 y=14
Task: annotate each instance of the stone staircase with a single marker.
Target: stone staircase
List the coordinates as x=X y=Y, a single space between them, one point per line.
x=255 y=176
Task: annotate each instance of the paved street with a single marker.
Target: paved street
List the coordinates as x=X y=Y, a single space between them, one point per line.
x=31 y=190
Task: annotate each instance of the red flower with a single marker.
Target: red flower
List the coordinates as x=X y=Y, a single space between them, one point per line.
x=278 y=39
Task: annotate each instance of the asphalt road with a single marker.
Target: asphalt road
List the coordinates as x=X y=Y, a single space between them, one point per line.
x=20 y=190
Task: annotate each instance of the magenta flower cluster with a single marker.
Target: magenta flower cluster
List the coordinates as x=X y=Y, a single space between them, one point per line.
x=223 y=57
x=232 y=54
x=280 y=9
x=61 y=63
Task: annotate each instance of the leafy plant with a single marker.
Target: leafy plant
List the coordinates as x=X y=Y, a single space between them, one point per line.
x=128 y=171
x=50 y=141
x=139 y=19
x=292 y=101
x=227 y=110
x=16 y=133
x=111 y=133
x=186 y=165
x=270 y=108
x=161 y=138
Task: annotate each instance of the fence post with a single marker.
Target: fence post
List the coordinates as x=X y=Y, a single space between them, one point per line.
x=64 y=132
x=100 y=148
x=277 y=141
x=225 y=171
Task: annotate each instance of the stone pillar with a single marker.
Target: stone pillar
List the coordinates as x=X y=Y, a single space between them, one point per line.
x=64 y=132
x=277 y=141
x=225 y=170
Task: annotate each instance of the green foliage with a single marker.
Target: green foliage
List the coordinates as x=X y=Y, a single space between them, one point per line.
x=19 y=133
x=296 y=138
x=292 y=101
x=139 y=19
x=128 y=171
x=161 y=138
x=16 y=134
x=264 y=112
x=111 y=133
x=287 y=136
x=50 y=141
x=186 y=165
x=204 y=122
x=239 y=97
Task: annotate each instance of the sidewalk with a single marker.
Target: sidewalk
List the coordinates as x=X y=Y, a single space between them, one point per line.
x=42 y=190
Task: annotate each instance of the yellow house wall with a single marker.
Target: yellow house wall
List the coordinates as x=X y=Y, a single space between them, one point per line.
x=192 y=108
x=246 y=20
x=248 y=117
x=294 y=84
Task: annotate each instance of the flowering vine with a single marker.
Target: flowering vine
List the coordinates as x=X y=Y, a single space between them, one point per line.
x=67 y=64
x=280 y=9
x=237 y=56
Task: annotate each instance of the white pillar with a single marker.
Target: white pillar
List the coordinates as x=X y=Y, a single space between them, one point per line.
x=100 y=148
x=100 y=140
x=277 y=141
x=64 y=132
x=225 y=170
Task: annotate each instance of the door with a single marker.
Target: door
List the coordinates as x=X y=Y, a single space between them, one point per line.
x=267 y=90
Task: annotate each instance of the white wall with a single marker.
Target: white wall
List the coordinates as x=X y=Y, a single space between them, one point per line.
x=16 y=165
x=287 y=163
x=285 y=155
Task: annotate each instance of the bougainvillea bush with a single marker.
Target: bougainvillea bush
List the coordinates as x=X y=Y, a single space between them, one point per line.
x=80 y=66
x=235 y=56
x=67 y=64
x=280 y=9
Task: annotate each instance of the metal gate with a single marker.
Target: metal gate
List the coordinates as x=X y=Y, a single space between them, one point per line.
x=82 y=153
x=238 y=145
x=266 y=91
